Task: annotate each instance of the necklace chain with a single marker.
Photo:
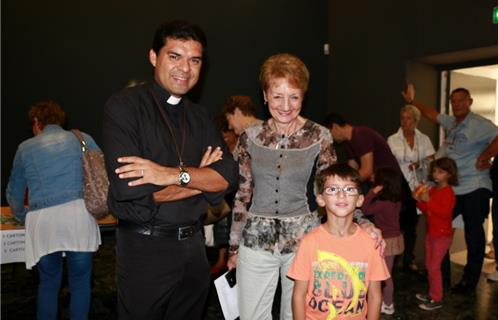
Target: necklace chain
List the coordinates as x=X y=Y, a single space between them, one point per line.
x=406 y=147
x=166 y=121
x=295 y=125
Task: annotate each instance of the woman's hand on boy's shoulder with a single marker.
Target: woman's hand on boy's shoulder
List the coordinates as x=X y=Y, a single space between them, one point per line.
x=376 y=235
x=377 y=189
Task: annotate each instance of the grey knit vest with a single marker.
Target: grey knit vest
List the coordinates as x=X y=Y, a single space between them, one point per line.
x=280 y=178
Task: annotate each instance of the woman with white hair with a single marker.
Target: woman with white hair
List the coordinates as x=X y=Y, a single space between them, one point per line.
x=413 y=150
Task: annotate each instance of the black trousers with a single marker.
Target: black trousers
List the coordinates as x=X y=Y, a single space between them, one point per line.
x=408 y=222
x=494 y=213
x=474 y=208
x=161 y=278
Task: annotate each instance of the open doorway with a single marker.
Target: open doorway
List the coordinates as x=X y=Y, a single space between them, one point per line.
x=482 y=82
x=434 y=77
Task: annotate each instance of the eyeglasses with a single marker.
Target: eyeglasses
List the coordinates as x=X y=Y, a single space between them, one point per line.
x=334 y=190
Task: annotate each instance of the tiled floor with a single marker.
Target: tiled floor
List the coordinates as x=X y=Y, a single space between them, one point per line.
x=18 y=295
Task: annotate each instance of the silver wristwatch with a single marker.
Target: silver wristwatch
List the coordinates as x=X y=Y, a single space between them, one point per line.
x=183 y=176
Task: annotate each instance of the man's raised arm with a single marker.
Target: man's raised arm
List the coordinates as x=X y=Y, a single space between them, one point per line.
x=409 y=96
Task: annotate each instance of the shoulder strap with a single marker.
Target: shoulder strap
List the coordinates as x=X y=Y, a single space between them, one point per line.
x=78 y=135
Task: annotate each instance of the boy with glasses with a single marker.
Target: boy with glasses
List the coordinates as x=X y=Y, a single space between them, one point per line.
x=337 y=267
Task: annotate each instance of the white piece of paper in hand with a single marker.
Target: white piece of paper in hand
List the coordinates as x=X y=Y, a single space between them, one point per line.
x=227 y=296
x=209 y=235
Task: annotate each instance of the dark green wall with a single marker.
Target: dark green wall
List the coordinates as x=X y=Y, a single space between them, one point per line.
x=80 y=52
x=372 y=42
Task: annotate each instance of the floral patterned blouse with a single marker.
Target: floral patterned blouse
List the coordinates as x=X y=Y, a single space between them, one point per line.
x=275 y=203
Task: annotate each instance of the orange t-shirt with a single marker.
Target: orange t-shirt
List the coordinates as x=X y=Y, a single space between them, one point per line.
x=338 y=271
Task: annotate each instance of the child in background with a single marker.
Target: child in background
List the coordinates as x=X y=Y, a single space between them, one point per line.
x=383 y=201
x=221 y=229
x=337 y=268
x=437 y=204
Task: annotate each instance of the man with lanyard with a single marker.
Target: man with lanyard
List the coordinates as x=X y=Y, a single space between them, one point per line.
x=166 y=161
x=471 y=141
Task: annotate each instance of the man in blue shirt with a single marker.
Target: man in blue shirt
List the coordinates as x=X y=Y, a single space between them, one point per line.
x=471 y=141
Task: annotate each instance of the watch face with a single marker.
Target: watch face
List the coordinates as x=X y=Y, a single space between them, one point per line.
x=184 y=177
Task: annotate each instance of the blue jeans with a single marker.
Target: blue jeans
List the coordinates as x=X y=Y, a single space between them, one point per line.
x=79 y=265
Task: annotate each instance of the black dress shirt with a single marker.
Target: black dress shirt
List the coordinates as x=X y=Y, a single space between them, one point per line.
x=133 y=126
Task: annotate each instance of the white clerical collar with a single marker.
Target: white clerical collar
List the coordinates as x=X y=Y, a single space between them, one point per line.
x=173 y=100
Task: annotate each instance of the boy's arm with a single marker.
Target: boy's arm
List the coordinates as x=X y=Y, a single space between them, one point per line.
x=298 y=299
x=374 y=300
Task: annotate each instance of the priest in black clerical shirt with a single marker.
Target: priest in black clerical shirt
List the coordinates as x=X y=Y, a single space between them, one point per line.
x=166 y=161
